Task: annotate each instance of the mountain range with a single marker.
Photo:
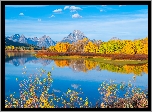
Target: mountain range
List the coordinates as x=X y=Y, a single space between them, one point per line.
x=46 y=41
x=17 y=44
x=13 y=43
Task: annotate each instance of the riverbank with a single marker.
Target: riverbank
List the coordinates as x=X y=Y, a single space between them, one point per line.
x=103 y=58
x=93 y=55
x=96 y=59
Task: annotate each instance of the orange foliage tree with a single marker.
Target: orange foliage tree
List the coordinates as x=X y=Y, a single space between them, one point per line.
x=91 y=47
x=62 y=47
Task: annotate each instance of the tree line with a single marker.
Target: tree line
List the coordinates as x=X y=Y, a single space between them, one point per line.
x=20 y=48
x=139 y=46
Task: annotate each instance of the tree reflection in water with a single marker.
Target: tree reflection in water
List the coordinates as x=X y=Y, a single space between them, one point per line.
x=86 y=65
x=77 y=65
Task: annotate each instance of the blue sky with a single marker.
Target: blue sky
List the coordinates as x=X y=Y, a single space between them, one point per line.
x=100 y=22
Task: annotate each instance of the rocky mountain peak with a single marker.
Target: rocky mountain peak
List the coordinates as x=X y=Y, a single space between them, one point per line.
x=114 y=38
x=73 y=37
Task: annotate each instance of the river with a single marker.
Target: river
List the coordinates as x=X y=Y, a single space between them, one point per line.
x=72 y=74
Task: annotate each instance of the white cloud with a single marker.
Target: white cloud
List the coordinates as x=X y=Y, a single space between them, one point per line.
x=52 y=16
x=21 y=14
x=101 y=10
x=66 y=7
x=57 y=10
x=121 y=5
x=76 y=16
x=74 y=8
x=39 y=19
x=103 y=5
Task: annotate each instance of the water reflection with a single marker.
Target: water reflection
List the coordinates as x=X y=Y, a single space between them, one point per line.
x=75 y=86
x=81 y=65
x=18 y=59
x=77 y=65
x=137 y=69
x=63 y=76
x=86 y=65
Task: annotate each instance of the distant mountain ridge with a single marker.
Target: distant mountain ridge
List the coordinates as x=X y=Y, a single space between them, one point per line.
x=16 y=44
x=44 y=41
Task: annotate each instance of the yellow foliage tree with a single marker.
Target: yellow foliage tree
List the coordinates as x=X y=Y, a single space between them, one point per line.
x=129 y=47
x=62 y=47
x=145 y=47
x=91 y=47
x=52 y=48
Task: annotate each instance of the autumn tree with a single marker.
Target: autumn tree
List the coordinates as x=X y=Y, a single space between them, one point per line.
x=62 y=47
x=145 y=46
x=79 y=45
x=52 y=49
x=91 y=47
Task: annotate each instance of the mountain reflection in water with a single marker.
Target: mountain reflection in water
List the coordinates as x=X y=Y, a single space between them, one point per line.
x=81 y=65
x=18 y=59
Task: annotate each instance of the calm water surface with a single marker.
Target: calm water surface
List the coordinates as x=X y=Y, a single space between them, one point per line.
x=66 y=74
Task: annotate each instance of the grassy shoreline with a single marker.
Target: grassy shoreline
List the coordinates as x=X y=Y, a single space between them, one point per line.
x=95 y=58
x=94 y=55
